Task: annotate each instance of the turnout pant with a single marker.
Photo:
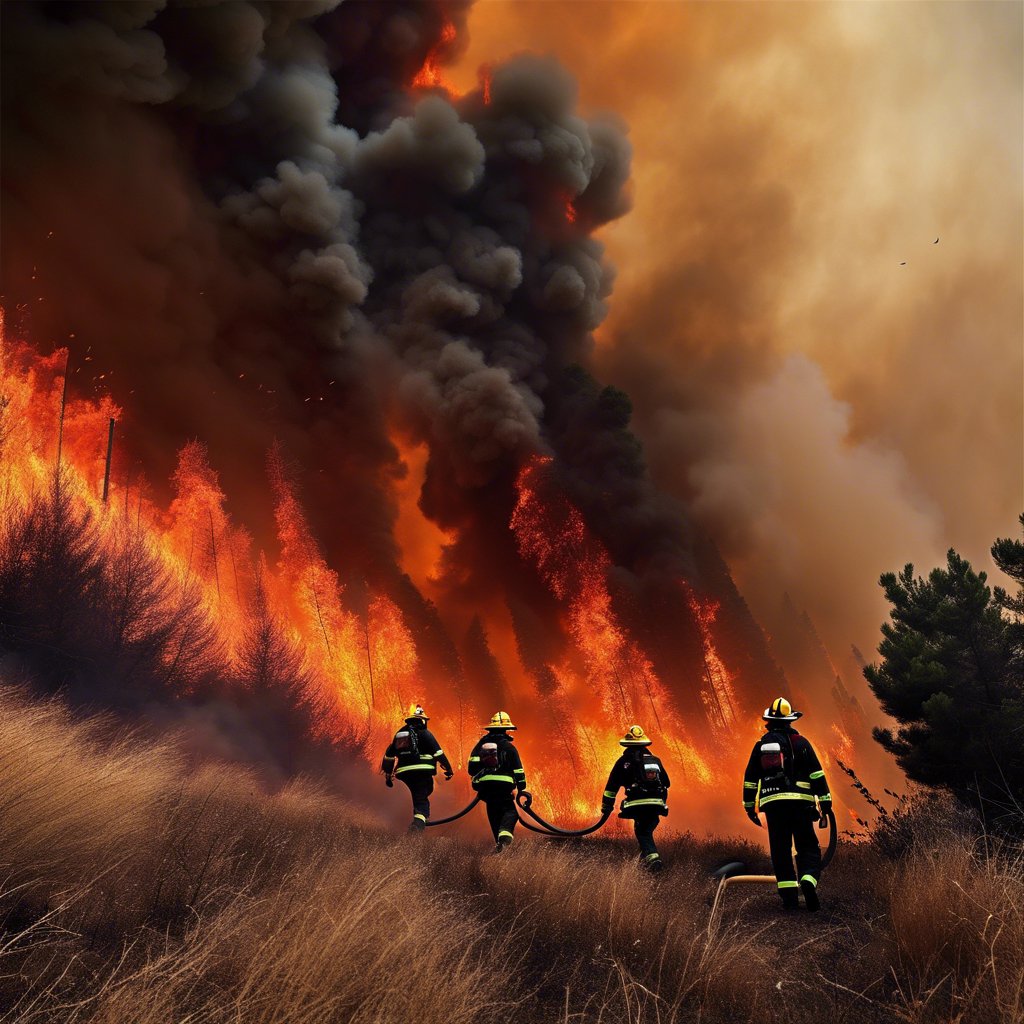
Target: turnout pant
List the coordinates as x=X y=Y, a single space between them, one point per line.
x=791 y=823
x=502 y=816
x=644 y=824
x=421 y=785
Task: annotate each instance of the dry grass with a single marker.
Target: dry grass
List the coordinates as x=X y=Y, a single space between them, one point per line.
x=75 y=801
x=133 y=892
x=958 y=918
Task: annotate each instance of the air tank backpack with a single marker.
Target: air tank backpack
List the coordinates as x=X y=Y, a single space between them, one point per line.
x=648 y=783
x=406 y=743
x=774 y=775
x=490 y=759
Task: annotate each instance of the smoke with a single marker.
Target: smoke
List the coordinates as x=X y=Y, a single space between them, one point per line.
x=242 y=219
x=787 y=450
x=824 y=411
x=226 y=236
x=246 y=222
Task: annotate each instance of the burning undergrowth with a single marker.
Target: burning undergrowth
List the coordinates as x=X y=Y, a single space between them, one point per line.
x=275 y=228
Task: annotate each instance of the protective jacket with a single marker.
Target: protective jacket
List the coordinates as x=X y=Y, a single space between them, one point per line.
x=500 y=778
x=799 y=778
x=422 y=757
x=646 y=787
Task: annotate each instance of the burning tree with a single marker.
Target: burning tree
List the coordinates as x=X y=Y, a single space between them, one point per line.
x=324 y=251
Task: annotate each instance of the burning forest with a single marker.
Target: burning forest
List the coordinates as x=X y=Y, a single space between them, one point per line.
x=341 y=316
x=315 y=465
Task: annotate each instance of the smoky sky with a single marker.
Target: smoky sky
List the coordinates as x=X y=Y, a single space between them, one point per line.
x=829 y=391
x=242 y=220
x=241 y=215
x=244 y=217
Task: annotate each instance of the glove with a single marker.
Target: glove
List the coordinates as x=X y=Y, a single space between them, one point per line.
x=824 y=807
x=752 y=815
x=389 y=781
x=448 y=776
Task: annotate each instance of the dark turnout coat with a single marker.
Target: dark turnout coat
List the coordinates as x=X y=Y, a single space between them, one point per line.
x=424 y=757
x=629 y=773
x=803 y=778
x=499 y=780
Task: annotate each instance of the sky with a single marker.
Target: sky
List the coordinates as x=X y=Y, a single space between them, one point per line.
x=832 y=391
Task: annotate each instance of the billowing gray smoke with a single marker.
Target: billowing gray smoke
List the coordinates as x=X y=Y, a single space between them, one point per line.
x=247 y=218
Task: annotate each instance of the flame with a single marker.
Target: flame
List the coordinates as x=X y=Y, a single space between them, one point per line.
x=576 y=692
x=601 y=660
x=362 y=668
x=484 y=74
x=717 y=692
x=431 y=75
x=842 y=746
x=421 y=543
x=567 y=205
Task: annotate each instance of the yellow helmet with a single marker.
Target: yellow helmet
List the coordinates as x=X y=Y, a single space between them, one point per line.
x=500 y=720
x=781 y=711
x=635 y=737
x=416 y=711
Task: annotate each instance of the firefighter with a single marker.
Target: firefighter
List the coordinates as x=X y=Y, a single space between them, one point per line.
x=646 y=783
x=784 y=779
x=413 y=756
x=496 y=771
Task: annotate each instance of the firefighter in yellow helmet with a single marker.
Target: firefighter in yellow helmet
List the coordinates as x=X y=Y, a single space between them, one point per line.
x=646 y=783
x=413 y=756
x=497 y=771
x=784 y=779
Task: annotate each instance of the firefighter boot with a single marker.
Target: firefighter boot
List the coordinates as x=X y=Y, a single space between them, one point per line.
x=418 y=824
x=504 y=842
x=789 y=892
x=810 y=891
x=653 y=863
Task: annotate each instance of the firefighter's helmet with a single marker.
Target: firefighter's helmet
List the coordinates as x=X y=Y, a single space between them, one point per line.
x=635 y=737
x=781 y=711
x=416 y=711
x=500 y=720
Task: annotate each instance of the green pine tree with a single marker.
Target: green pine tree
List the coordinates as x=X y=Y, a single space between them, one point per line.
x=951 y=677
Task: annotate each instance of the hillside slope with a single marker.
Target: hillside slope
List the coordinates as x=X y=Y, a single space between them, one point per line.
x=132 y=892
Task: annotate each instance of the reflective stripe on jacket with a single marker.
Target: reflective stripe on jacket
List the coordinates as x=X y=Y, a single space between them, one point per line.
x=627 y=773
x=803 y=770
x=509 y=772
x=430 y=753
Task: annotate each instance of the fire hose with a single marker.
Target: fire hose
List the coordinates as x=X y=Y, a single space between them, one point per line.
x=728 y=874
x=524 y=802
x=455 y=817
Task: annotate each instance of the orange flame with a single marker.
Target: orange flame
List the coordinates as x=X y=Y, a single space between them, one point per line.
x=363 y=668
x=717 y=692
x=602 y=661
x=431 y=75
x=360 y=652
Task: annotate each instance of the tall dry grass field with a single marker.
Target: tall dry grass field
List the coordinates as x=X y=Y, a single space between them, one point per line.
x=133 y=891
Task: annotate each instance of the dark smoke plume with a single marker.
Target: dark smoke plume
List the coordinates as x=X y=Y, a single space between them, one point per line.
x=261 y=233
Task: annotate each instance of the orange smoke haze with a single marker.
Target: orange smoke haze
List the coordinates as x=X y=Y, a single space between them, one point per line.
x=399 y=461
x=826 y=412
